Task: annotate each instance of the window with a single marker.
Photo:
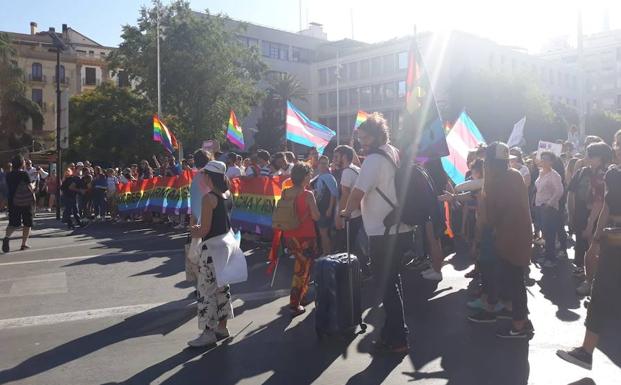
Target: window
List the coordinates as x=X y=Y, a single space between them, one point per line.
x=275 y=75
x=275 y=50
x=376 y=66
x=364 y=69
x=402 y=58
x=37 y=72
x=389 y=63
x=618 y=101
x=248 y=42
x=90 y=76
x=301 y=55
x=91 y=53
x=60 y=74
x=323 y=77
x=332 y=99
x=323 y=101
x=332 y=75
x=37 y=96
x=342 y=72
x=365 y=96
x=354 y=98
x=352 y=70
x=342 y=98
x=401 y=89
x=389 y=91
x=123 y=79
x=376 y=94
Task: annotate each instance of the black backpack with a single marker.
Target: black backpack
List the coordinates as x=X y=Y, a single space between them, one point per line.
x=417 y=200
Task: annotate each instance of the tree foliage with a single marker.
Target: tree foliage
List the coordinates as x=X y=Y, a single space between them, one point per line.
x=15 y=108
x=205 y=70
x=496 y=103
x=112 y=126
x=271 y=125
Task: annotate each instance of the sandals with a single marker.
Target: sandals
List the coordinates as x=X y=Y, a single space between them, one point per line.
x=24 y=247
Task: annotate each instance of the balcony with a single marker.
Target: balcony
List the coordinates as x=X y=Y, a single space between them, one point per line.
x=63 y=81
x=90 y=82
x=37 y=78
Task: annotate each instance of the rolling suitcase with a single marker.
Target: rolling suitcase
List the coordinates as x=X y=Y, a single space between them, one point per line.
x=338 y=308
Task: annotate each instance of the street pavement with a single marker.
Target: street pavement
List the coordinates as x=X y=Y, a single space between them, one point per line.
x=108 y=305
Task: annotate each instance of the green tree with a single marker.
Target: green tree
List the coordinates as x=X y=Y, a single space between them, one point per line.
x=603 y=124
x=271 y=125
x=496 y=103
x=15 y=108
x=205 y=70
x=111 y=125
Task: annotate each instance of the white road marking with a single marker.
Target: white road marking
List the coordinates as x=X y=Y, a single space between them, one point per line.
x=109 y=254
x=123 y=311
x=90 y=243
x=53 y=283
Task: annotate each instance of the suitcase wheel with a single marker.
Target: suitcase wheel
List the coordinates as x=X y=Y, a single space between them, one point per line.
x=363 y=327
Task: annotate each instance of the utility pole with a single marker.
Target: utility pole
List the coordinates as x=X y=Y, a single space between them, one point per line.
x=338 y=104
x=59 y=45
x=581 y=81
x=159 y=89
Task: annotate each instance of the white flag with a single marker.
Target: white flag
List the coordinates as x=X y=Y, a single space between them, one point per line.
x=517 y=135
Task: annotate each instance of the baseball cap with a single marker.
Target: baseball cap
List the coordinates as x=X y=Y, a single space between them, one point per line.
x=79 y=164
x=215 y=166
x=498 y=150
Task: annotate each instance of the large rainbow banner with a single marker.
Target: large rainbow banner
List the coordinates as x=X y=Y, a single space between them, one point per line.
x=254 y=199
x=166 y=195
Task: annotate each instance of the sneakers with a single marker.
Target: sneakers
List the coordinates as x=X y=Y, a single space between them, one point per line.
x=511 y=333
x=381 y=347
x=179 y=227
x=222 y=333
x=477 y=304
x=5 y=245
x=206 y=338
x=482 y=317
x=584 y=288
x=432 y=275
x=577 y=356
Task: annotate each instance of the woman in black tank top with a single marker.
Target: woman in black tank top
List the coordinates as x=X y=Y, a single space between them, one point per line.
x=213 y=302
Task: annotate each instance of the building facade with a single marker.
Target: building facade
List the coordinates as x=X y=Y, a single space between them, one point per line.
x=82 y=67
x=601 y=68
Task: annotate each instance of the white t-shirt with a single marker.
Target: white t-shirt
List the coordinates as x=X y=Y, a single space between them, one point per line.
x=348 y=179
x=378 y=172
x=233 y=172
x=525 y=172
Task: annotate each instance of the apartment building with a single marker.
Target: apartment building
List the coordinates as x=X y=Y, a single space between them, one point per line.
x=82 y=67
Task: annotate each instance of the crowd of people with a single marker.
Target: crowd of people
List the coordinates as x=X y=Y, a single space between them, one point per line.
x=513 y=210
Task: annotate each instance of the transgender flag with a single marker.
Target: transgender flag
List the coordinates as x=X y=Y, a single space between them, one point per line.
x=463 y=137
x=302 y=130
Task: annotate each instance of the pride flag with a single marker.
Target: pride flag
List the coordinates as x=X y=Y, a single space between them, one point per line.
x=423 y=128
x=302 y=130
x=463 y=137
x=162 y=134
x=234 y=132
x=360 y=118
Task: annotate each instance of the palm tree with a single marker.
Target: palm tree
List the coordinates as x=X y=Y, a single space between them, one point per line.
x=288 y=87
x=15 y=107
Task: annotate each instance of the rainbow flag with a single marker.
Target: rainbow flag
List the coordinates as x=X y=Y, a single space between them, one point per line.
x=302 y=130
x=162 y=134
x=234 y=132
x=464 y=136
x=360 y=118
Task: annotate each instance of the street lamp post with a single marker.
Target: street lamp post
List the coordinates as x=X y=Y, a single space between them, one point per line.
x=59 y=46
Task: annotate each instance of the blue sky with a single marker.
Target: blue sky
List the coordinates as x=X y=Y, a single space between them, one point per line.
x=524 y=23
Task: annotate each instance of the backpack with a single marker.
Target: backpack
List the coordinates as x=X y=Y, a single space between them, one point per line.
x=417 y=201
x=285 y=216
x=24 y=196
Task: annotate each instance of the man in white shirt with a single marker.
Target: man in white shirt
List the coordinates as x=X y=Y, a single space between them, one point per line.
x=387 y=245
x=34 y=173
x=517 y=163
x=232 y=171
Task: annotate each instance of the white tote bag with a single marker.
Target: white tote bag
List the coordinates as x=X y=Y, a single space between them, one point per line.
x=192 y=254
x=228 y=258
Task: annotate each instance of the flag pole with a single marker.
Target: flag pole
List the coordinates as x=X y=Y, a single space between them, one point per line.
x=157 y=34
x=338 y=109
